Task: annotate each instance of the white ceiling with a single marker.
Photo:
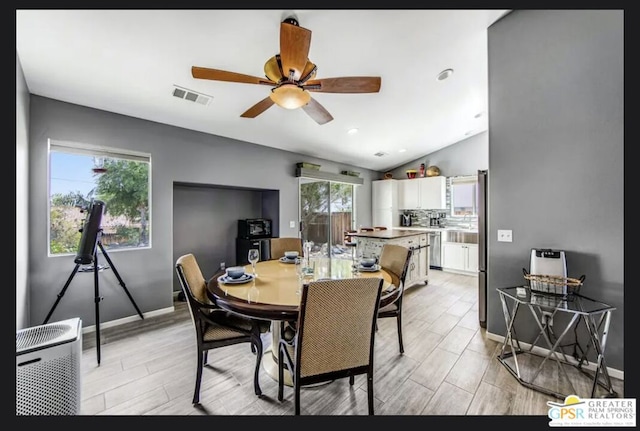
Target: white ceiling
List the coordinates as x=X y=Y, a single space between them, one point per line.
x=128 y=61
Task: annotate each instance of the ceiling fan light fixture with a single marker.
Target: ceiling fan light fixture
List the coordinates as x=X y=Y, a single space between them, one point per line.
x=290 y=96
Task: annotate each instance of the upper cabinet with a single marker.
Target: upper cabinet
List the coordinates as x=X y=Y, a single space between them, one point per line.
x=384 y=194
x=423 y=193
x=384 y=203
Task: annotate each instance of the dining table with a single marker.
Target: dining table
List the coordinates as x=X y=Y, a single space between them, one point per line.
x=274 y=293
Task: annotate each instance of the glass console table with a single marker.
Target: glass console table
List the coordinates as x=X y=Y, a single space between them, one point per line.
x=596 y=316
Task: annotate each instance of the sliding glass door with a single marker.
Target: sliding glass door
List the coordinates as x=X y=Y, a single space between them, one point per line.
x=326 y=213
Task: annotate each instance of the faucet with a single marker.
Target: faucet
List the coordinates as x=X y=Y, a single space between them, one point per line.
x=466 y=223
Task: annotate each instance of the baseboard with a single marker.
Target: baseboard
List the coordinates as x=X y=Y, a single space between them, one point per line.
x=118 y=322
x=541 y=351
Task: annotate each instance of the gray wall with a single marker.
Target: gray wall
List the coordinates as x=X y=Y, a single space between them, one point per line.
x=22 y=201
x=205 y=222
x=556 y=152
x=177 y=156
x=462 y=158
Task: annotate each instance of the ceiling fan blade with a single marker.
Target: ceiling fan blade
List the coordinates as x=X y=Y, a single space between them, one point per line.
x=317 y=112
x=295 y=42
x=258 y=108
x=346 y=84
x=223 y=75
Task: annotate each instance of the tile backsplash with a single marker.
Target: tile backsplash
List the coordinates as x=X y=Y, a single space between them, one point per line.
x=423 y=217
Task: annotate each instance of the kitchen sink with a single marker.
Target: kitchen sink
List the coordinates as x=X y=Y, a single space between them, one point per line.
x=460 y=236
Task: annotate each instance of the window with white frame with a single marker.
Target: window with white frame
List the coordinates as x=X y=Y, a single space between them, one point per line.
x=464 y=196
x=80 y=174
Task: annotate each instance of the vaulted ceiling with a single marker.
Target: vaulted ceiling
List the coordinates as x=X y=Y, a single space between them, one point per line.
x=131 y=61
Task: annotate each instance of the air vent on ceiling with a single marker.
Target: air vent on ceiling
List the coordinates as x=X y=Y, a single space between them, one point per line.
x=381 y=154
x=192 y=96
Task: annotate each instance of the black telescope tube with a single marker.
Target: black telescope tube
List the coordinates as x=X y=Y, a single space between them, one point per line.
x=87 y=246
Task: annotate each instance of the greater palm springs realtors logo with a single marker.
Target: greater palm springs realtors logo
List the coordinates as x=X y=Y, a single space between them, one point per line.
x=604 y=412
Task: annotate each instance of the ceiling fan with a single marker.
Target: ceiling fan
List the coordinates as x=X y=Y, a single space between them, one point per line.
x=291 y=74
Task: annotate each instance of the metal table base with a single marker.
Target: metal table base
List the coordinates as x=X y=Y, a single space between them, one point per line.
x=596 y=317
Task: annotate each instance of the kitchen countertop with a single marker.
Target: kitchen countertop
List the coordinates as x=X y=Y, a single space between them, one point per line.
x=387 y=234
x=438 y=229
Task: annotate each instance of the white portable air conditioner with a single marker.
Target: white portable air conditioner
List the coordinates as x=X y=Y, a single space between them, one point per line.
x=48 y=368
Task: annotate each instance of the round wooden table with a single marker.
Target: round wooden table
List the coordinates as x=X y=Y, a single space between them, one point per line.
x=273 y=295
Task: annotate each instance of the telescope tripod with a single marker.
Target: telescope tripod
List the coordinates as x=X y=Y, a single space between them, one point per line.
x=97 y=298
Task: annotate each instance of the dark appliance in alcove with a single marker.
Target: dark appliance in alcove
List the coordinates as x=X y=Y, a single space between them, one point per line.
x=253 y=233
x=243 y=245
x=254 y=228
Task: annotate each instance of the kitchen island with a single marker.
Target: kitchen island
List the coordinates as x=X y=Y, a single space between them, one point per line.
x=369 y=244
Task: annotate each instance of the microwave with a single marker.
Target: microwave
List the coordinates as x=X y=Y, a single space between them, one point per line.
x=251 y=228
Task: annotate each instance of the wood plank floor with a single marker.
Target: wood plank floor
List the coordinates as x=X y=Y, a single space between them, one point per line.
x=449 y=368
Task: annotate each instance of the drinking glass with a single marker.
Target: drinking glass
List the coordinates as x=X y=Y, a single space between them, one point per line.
x=308 y=245
x=254 y=257
x=300 y=273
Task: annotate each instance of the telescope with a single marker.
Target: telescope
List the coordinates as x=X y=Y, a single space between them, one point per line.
x=90 y=231
x=88 y=254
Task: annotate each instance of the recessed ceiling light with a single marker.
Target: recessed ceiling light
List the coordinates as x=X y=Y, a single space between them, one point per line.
x=352 y=131
x=402 y=150
x=444 y=74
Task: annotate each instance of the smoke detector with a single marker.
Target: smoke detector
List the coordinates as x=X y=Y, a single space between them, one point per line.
x=190 y=95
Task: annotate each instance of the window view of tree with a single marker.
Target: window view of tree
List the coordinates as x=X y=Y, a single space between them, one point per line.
x=119 y=180
x=326 y=212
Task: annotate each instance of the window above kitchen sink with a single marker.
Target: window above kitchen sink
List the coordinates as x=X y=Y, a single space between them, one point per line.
x=464 y=196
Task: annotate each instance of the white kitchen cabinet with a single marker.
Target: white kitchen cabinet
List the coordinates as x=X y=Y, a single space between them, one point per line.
x=384 y=203
x=409 y=194
x=460 y=257
x=423 y=193
x=387 y=218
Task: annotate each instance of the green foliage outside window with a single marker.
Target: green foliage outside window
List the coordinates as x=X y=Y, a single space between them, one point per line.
x=122 y=183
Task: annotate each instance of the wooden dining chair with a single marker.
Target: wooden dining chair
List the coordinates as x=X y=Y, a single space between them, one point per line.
x=280 y=245
x=395 y=260
x=215 y=327
x=334 y=336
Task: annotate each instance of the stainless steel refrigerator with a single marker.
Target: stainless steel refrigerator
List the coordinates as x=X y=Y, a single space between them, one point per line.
x=483 y=238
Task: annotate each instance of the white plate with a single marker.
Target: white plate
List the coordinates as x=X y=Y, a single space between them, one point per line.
x=285 y=260
x=373 y=268
x=241 y=280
